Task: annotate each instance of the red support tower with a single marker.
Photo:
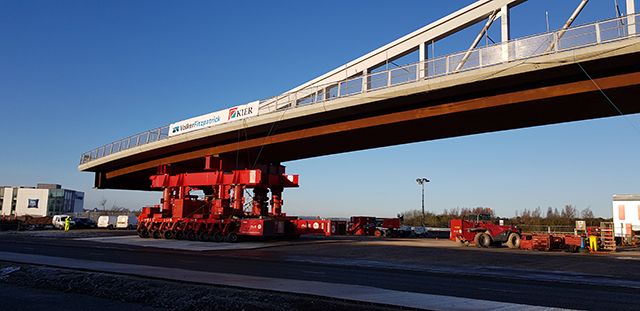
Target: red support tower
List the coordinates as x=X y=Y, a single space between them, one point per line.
x=220 y=215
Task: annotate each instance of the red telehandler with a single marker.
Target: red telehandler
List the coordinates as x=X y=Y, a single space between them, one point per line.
x=481 y=231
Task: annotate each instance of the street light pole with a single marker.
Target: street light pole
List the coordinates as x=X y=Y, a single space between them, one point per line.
x=421 y=182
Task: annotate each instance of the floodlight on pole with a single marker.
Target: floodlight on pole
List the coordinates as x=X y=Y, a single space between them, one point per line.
x=421 y=182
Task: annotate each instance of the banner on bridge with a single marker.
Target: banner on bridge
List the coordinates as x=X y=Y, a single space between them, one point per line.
x=214 y=118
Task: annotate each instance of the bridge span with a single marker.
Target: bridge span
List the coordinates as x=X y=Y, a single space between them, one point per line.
x=575 y=73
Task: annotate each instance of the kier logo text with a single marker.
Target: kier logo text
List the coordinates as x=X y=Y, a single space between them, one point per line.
x=237 y=113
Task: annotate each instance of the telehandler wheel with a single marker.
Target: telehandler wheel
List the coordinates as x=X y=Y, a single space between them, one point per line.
x=486 y=240
x=513 y=241
x=476 y=239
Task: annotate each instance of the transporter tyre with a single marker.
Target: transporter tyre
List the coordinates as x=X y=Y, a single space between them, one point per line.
x=231 y=237
x=143 y=233
x=155 y=234
x=168 y=234
x=203 y=236
x=212 y=237
x=513 y=241
x=190 y=235
x=179 y=235
x=218 y=237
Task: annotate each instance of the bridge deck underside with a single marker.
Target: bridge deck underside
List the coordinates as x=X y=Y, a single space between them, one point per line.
x=557 y=95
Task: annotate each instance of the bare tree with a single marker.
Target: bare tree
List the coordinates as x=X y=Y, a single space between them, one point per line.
x=569 y=212
x=102 y=204
x=586 y=213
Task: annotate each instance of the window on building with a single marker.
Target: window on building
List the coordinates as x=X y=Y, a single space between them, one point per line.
x=33 y=203
x=621 y=212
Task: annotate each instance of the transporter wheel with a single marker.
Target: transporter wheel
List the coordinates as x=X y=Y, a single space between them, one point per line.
x=218 y=237
x=212 y=237
x=231 y=237
x=155 y=234
x=190 y=235
x=203 y=236
x=513 y=241
x=168 y=234
x=143 y=233
x=378 y=233
x=179 y=235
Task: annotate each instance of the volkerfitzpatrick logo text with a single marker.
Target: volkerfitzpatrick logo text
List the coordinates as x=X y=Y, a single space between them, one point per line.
x=236 y=113
x=197 y=124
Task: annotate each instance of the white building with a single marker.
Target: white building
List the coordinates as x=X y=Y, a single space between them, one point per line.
x=42 y=200
x=626 y=214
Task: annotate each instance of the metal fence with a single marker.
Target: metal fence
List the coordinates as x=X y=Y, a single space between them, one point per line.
x=596 y=33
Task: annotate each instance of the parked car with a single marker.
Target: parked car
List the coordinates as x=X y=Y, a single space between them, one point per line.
x=85 y=223
x=108 y=222
x=127 y=222
x=420 y=232
x=59 y=220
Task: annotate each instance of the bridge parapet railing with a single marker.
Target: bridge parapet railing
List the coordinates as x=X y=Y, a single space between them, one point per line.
x=499 y=53
x=600 y=32
x=126 y=143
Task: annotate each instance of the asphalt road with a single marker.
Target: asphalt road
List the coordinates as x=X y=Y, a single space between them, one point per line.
x=255 y=263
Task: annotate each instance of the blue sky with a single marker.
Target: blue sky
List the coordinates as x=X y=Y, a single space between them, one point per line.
x=78 y=74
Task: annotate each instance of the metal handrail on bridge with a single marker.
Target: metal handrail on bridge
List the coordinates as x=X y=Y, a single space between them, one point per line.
x=596 y=33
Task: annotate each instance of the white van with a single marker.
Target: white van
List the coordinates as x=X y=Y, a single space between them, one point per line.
x=108 y=222
x=127 y=222
x=58 y=221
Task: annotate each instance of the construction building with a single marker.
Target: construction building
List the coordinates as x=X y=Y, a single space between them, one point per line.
x=42 y=200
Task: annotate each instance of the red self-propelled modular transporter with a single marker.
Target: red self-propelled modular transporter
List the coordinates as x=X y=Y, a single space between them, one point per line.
x=220 y=216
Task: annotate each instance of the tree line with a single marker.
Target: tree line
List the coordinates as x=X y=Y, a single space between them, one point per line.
x=566 y=216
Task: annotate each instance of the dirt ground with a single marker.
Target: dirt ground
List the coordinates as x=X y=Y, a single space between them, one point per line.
x=444 y=254
x=159 y=294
